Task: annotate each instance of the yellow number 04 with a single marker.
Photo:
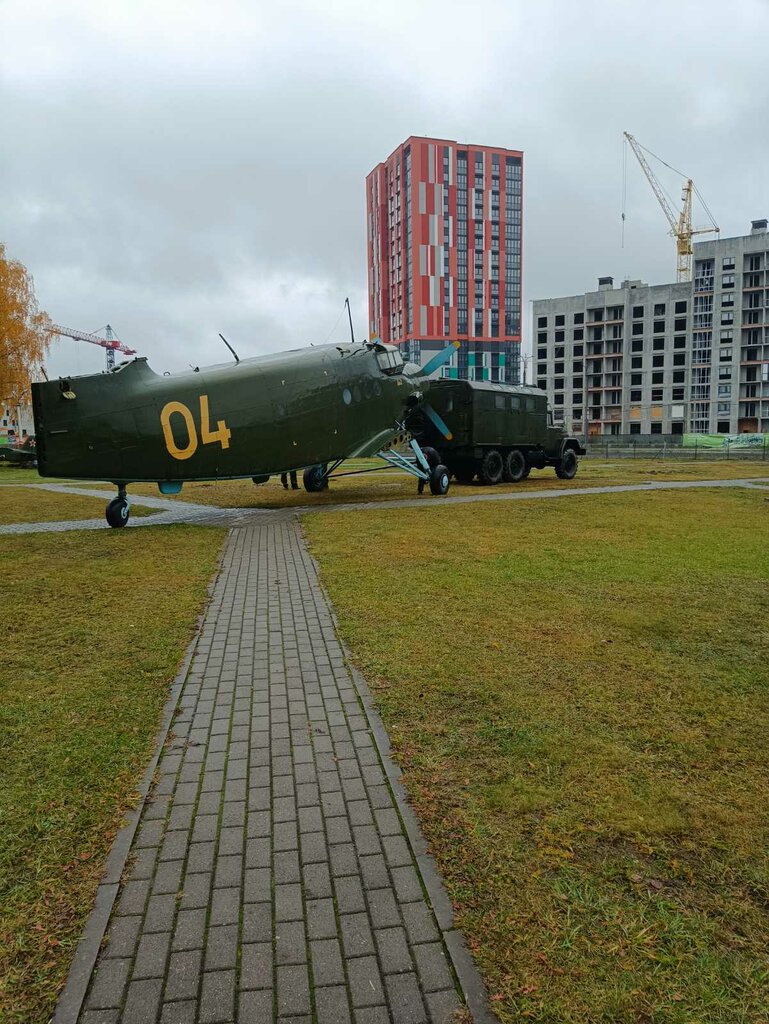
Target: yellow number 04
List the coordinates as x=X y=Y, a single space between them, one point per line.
x=222 y=434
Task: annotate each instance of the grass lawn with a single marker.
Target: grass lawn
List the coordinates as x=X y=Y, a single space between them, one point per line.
x=94 y=627
x=578 y=694
x=36 y=505
x=384 y=486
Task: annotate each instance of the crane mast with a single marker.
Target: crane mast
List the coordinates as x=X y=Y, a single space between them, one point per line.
x=680 y=223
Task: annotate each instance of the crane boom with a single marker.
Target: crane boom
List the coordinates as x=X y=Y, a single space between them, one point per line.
x=681 y=224
x=111 y=344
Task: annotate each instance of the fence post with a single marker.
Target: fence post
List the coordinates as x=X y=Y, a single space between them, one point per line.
x=696 y=446
x=763 y=453
x=728 y=450
x=607 y=449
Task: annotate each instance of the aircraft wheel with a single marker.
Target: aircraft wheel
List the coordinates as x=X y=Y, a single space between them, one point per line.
x=515 y=466
x=566 y=469
x=439 y=480
x=117 y=512
x=432 y=456
x=491 y=468
x=314 y=479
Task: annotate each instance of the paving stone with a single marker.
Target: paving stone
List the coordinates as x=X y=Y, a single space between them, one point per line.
x=255 y=1007
x=332 y=1005
x=190 y=929
x=288 y=902
x=257 y=922
x=326 y=958
x=142 y=1001
x=443 y=1006
x=432 y=967
x=179 y=1013
x=372 y=1015
x=256 y=965
x=109 y=984
x=383 y=908
x=290 y=943
x=221 y=947
x=151 y=955
x=393 y=951
x=321 y=920
x=99 y=1017
x=365 y=981
x=405 y=999
x=293 y=990
x=225 y=906
x=183 y=975
x=357 y=937
x=217 y=997
x=317 y=881
x=168 y=877
x=196 y=891
x=420 y=924
x=123 y=936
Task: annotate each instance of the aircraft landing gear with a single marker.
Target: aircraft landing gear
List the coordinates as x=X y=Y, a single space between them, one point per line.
x=118 y=511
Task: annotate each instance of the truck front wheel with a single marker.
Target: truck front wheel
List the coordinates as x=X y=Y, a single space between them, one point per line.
x=515 y=466
x=491 y=467
x=566 y=468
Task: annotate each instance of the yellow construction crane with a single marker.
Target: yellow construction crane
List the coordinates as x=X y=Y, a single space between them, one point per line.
x=681 y=223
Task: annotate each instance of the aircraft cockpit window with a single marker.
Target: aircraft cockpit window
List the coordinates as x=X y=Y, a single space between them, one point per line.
x=390 y=362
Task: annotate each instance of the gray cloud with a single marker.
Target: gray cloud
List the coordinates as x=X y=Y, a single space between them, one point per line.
x=179 y=170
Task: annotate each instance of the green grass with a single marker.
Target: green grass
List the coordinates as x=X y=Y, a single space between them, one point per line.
x=391 y=485
x=94 y=628
x=578 y=694
x=20 y=504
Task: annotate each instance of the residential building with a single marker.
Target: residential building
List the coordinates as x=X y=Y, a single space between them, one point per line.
x=444 y=225
x=15 y=421
x=691 y=357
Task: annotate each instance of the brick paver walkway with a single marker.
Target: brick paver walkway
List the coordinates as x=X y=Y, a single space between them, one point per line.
x=271 y=877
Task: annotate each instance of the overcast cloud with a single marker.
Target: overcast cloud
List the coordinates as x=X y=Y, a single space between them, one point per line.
x=182 y=168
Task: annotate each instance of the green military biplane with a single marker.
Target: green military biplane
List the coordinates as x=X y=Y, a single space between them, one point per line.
x=309 y=409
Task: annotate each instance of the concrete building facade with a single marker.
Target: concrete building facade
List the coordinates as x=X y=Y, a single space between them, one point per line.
x=681 y=358
x=444 y=241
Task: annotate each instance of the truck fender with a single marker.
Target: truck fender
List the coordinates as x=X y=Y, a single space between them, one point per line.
x=573 y=444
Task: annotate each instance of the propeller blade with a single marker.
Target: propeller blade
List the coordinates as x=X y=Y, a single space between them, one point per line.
x=436 y=420
x=437 y=360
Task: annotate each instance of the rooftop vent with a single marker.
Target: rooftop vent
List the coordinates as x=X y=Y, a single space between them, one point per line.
x=758 y=227
x=608 y=282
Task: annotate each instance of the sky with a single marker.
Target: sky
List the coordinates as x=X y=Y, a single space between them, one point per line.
x=180 y=169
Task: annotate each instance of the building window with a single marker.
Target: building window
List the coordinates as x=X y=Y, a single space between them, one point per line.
x=723 y=427
x=656 y=428
x=638 y=328
x=636 y=379
x=681 y=306
x=542 y=321
x=637 y=345
x=679 y=325
x=657 y=378
x=658 y=344
x=659 y=309
x=578 y=350
x=636 y=362
x=659 y=326
x=725 y=355
x=656 y=394
x=679 y=341
x=638 y=311
x=658 y=361
x=678 y=376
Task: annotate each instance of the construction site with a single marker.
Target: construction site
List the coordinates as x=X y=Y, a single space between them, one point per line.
x=687 y=360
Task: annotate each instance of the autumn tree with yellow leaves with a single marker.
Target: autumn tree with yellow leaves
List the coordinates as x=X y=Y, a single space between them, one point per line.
x=24 y=336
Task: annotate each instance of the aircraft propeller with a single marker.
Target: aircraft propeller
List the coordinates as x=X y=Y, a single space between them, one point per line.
x=437 y=360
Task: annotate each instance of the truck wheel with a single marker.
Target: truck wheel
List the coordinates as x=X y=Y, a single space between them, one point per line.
x=439 y=480
x=515 y=466
x=491 y=467
x=526 y=472
x=566 y=469
x=314 y=479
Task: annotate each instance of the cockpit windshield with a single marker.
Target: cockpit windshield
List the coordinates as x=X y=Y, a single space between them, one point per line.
x=390 y=361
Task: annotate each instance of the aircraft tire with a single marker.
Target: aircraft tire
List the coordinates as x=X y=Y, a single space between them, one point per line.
x=314 y=479
x=439 y=480
x=432 y=456
x=566 y=469
x=117 y=512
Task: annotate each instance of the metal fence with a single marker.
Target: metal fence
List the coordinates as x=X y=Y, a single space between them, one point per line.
x=631 y=446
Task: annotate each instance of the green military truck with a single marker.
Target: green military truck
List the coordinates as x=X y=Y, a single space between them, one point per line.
x=497 y=432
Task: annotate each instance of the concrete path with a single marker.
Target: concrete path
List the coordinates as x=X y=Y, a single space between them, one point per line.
x=175 y=511
x=276 y=873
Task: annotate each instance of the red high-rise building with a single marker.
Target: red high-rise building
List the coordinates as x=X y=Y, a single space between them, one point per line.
x=444 y=227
